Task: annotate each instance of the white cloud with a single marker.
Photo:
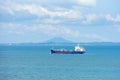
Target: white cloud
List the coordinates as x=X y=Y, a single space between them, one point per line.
x=95 y=37
x=112 y=18
x=89 y=18
x=51 y=16
x=38 y=10
x=21 y=30
x=117 y=27
x=87 y=2
x=51 y=21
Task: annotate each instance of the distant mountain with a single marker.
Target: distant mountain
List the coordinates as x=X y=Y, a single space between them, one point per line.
x=58 y=40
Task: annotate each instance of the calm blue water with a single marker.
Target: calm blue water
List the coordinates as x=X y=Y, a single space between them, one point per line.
x=100 y=62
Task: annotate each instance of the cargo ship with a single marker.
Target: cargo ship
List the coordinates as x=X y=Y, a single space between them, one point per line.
x=77 y=50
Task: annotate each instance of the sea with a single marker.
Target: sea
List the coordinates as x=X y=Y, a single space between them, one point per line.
x=34 y=62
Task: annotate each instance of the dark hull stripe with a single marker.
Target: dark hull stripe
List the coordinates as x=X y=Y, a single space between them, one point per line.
x=67 y=52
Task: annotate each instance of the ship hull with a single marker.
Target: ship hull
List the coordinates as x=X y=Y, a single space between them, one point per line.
x=67 y=52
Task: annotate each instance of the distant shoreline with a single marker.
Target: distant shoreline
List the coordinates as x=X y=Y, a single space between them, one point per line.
x=82 y=43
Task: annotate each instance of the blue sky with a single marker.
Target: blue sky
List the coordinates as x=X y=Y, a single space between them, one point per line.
x=75 y=20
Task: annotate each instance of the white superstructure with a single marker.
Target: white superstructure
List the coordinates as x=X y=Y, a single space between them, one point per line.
x=78 y=48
